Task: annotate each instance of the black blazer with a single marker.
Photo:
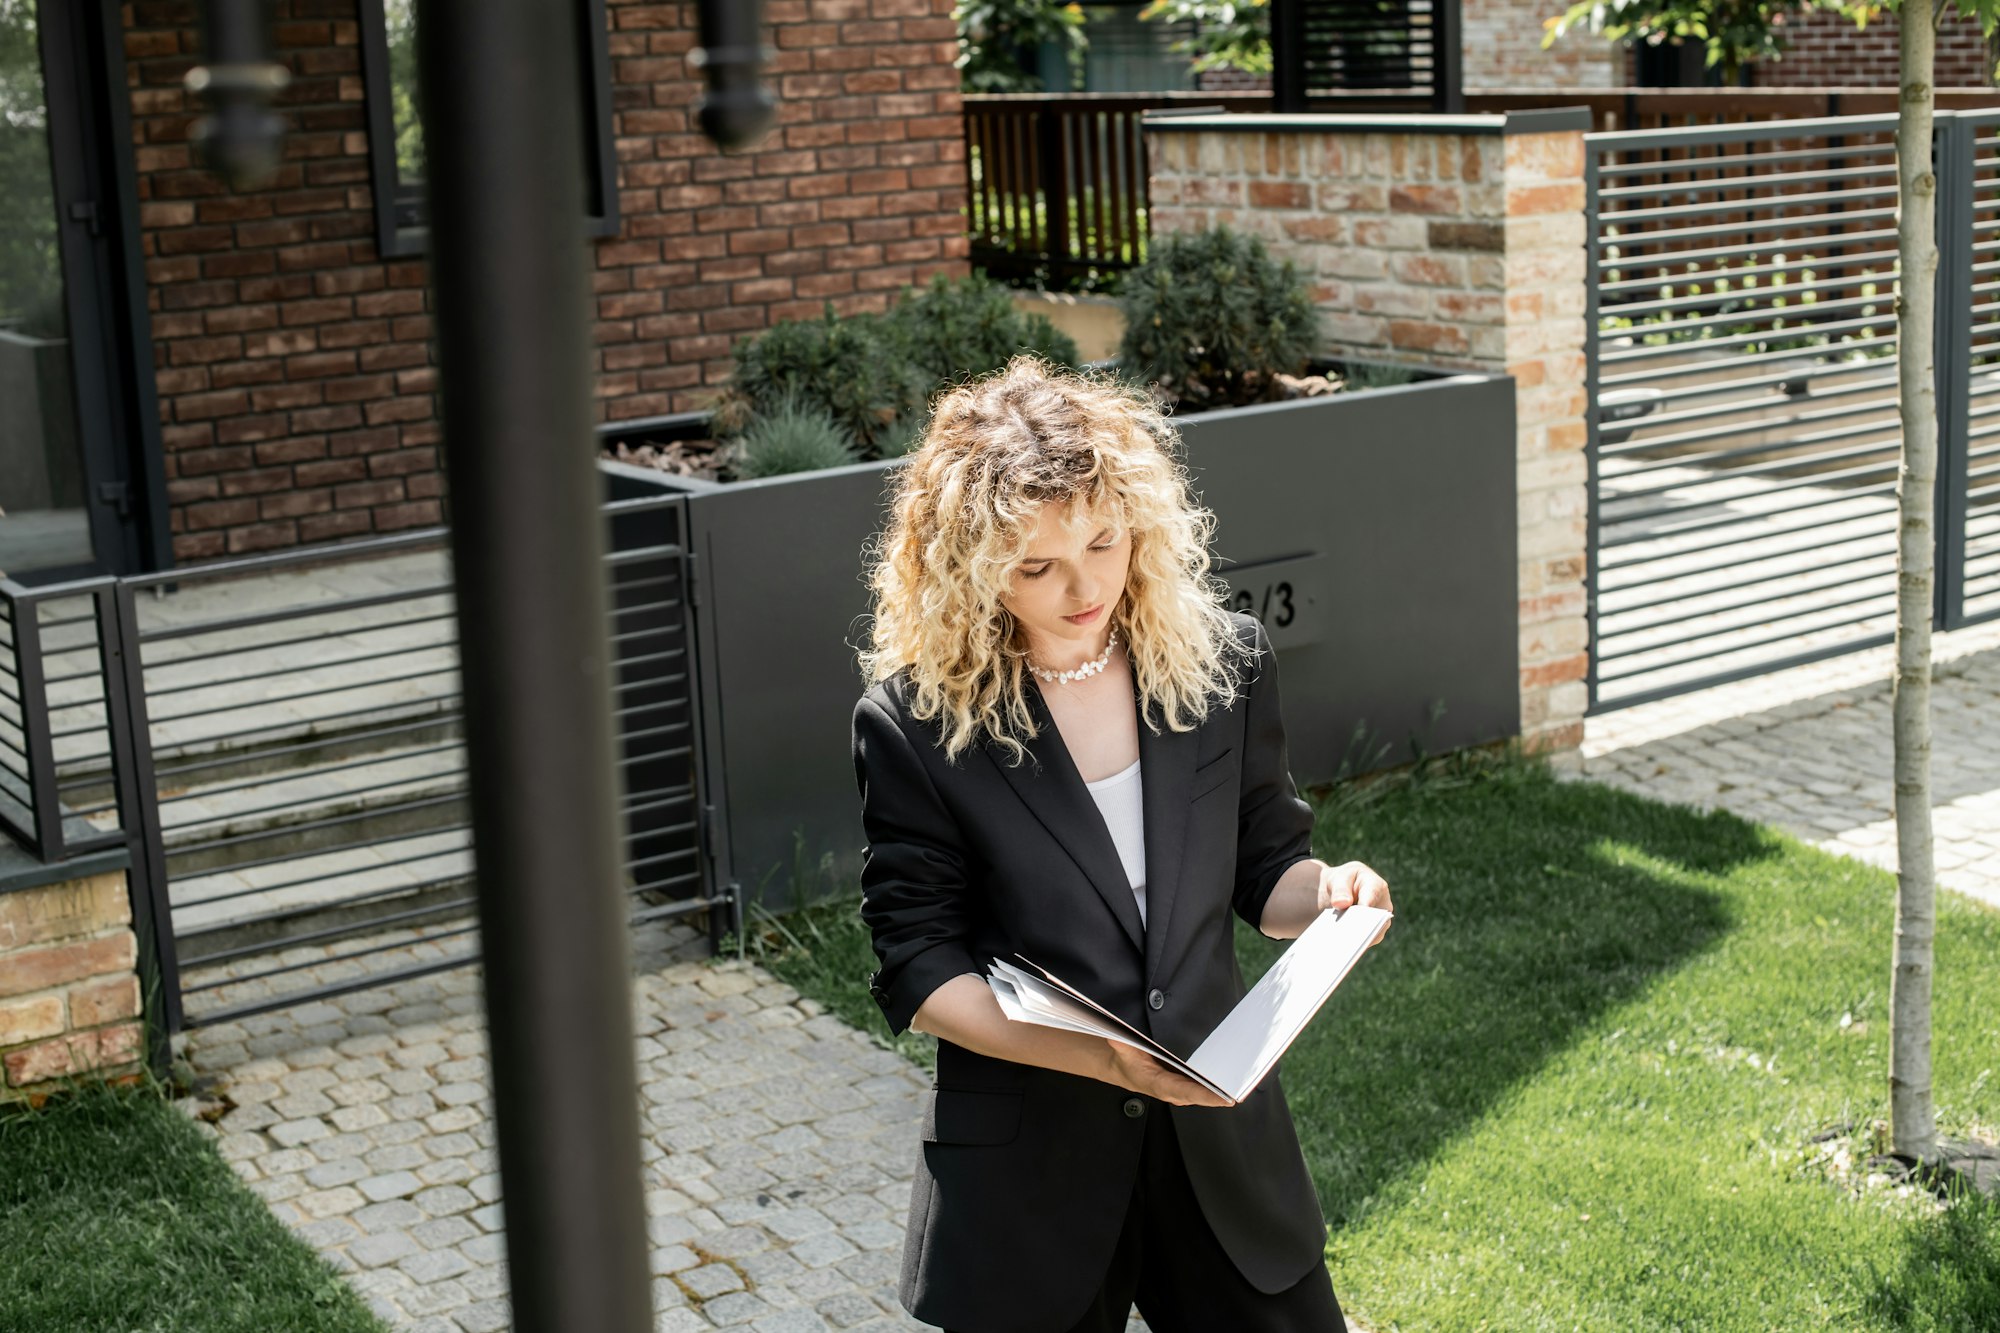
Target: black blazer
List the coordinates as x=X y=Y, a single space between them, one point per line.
x=1023 y=1173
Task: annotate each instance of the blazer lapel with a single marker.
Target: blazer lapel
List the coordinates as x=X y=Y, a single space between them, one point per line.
x=1051 y=787
x=1166 y=769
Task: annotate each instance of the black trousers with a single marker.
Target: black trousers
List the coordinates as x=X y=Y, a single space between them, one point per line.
x=1170 y=1264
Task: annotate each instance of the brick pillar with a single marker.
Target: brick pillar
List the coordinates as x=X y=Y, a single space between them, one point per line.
x=69 y=989
x=1450 y=242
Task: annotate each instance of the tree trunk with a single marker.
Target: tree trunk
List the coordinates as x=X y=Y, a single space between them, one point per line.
x=1912 y=1121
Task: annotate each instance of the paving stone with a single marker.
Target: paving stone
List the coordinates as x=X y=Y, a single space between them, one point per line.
x=338 y=1202
x=795 y=1224
x=709 y=1280
x=459 y=1094
x=487 y=1249
x=738 y=1307
x=326 y=1175
x=379 y=1217
x=434 y=1299
x=328 y=1234
x=395 y=1157
x=386 y=1247
x=791 y=1321
x=448 y=1171
x=489 y=1279
x=671 y=1259
x=444 y=1200
x=681 y=1321
x=735 y=1242
x=394 y=1185
x=428 y=1266
x=490 y=1316
x=847 y=1309
x=443 y=1232
x=291 y=1133
x=822 y=1249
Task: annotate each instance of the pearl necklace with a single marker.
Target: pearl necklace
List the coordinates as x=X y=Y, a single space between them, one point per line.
x=1090 y=668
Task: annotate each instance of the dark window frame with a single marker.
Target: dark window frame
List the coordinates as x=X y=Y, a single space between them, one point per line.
x=401 y=224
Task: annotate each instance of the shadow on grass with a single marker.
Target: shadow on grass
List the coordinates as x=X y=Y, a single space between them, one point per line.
x=1525 y=908
x=1950 y=1278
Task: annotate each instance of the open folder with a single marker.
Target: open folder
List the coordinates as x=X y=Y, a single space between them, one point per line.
x=1235 y=1057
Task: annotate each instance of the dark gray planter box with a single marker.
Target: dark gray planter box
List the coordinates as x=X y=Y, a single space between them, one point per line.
x=1373 y=532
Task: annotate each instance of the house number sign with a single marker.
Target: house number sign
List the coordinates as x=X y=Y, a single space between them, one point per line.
x=1288 y=595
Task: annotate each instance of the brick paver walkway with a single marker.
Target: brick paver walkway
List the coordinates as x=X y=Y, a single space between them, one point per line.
x=777 y=1147
x=1809 y=750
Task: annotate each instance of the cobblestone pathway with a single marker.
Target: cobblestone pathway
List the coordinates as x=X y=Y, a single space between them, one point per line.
x=1809 y=750
x=776 y=1147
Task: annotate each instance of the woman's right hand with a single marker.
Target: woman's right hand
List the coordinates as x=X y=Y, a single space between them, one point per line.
x=1136 y=1071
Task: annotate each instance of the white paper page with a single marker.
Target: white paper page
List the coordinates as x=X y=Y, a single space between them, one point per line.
x=1011 y=1005
x=1029 y=999
x=1256 y=1032
x=1061 y=996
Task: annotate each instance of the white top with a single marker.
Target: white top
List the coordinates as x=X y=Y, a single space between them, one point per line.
x=1118 y=801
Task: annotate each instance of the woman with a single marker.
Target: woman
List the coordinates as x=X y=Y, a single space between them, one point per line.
x=1069 y=750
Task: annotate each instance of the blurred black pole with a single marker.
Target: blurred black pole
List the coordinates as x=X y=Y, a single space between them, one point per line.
x=500 y=104
x=500 y=99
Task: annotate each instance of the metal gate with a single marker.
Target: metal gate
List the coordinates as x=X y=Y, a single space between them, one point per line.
x=1744 y=433
x=280 y=745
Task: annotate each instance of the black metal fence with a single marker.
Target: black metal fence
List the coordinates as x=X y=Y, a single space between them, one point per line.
x=281 y=750
x=1744 y=432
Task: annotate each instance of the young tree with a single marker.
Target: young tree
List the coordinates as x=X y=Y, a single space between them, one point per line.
x=1912 y=1118
x=1735 y=31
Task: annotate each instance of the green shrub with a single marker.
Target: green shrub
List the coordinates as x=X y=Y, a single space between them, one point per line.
x=901 y=438
x=953 y=329
x=1214 y=319
x=793 y=436
x=872 y=375
x=851 y=368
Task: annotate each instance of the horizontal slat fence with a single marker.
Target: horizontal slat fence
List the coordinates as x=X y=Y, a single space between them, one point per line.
x=1745 y=433
x=1971 y=479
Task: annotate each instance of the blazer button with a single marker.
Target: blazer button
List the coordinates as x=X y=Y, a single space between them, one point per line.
x=1134 y=1107
x=1154 y=998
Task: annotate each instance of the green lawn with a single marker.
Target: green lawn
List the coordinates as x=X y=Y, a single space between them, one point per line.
x=116 y=1216
x=1575 y=1086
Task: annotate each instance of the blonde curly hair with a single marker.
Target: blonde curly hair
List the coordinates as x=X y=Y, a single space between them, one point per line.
x=963 y=515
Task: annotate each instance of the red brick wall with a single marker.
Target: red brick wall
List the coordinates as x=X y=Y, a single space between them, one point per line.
x=294 y=364
x=1828 y=51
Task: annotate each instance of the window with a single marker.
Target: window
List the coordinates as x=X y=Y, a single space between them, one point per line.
x=396 y=133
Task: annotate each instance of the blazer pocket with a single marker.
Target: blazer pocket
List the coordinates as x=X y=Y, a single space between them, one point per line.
x=968 y=1115
x=1213 y=774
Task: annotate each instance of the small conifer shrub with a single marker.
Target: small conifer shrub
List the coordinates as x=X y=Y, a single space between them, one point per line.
x=793 y=436
x=1213 y=319
x=955 y=329
x=852 y=368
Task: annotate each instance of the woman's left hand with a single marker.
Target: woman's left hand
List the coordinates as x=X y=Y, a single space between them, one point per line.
x=1352 y=882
